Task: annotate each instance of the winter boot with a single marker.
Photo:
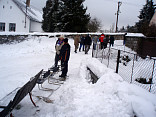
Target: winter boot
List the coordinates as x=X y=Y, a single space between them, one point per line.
x=62 y=75
x=54 y=69
x=62 y=79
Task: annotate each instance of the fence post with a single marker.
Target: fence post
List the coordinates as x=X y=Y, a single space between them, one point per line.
x=97 y=49
x=93 y=51
x=132 y=68
x=152 y=76
x=118 y=59
x=102 y=55
x=109 y=51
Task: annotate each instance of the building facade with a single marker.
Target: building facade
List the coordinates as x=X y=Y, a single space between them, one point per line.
x=13 y=17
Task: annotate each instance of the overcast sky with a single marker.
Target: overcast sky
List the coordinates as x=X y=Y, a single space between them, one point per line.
x=105 y=10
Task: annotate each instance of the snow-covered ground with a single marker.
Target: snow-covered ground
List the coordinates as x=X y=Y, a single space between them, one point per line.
x=111 y=96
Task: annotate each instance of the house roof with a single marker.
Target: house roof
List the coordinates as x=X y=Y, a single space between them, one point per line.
x=153 y=20
x=32 y=13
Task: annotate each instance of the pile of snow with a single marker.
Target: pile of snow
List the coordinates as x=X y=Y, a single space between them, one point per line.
x=13 y=33
x=57 y=33
x=135 y=35
x=109 y=97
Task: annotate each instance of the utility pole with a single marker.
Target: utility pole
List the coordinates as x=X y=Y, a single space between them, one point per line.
x=118 y=11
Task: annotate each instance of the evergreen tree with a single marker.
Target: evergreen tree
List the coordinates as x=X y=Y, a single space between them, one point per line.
x=132 y=29
x=65 y=15
x=51 y=15
x=145 y=16
x=74 y=18
x=46 y=23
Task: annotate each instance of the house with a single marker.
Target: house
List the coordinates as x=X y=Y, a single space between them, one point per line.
x=153 y=20
x=14 y=18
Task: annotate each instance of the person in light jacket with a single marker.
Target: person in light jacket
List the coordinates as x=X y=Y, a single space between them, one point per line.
x=76 y=42
x=58 y=46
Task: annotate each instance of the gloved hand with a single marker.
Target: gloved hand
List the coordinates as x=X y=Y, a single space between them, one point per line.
x=60 y=57
x=62 y=65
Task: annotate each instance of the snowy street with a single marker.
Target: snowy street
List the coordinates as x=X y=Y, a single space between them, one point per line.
x=111 y=96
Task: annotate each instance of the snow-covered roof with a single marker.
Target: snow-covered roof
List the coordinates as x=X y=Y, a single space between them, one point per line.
x=32 y=13
x=135 y=35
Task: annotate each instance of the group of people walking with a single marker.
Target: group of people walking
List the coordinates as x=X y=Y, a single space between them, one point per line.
x=62 y=48
x=103 y=40
x=85 y=42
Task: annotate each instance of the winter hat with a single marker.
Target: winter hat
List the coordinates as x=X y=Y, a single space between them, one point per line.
x=102 y=35
x=66 y=40
x=61 y=36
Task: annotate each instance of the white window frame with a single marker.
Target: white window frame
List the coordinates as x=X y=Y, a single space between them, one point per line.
x=12 y=27
x=2 y=26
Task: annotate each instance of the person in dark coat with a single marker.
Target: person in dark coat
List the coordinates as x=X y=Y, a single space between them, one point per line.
x=87 y=42
x=65 y=55
x=124 y=40
x=82 y=43
x=111 y=41
x=105 y=41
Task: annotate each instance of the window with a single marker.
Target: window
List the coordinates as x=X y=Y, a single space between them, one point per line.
x=12 y=27
x=3 y=6
x=2 y=26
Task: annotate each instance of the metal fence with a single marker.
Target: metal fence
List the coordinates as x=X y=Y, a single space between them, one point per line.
x=129 y=66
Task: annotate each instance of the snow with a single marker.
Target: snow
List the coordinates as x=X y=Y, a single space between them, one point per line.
x=13 y=33
x=135 y=35
x=56 y=33
x=111 y=96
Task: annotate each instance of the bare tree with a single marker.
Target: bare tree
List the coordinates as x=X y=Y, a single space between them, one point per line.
x=112 y=28
x=94 y=25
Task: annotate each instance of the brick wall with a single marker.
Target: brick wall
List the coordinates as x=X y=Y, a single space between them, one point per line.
x=132 y=42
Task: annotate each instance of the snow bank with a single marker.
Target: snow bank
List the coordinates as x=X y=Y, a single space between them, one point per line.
x=57 y=33
x=138 y=100
x=135 y=35
x=109 y=97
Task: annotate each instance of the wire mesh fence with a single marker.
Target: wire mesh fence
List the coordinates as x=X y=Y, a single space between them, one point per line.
x=129 y=66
